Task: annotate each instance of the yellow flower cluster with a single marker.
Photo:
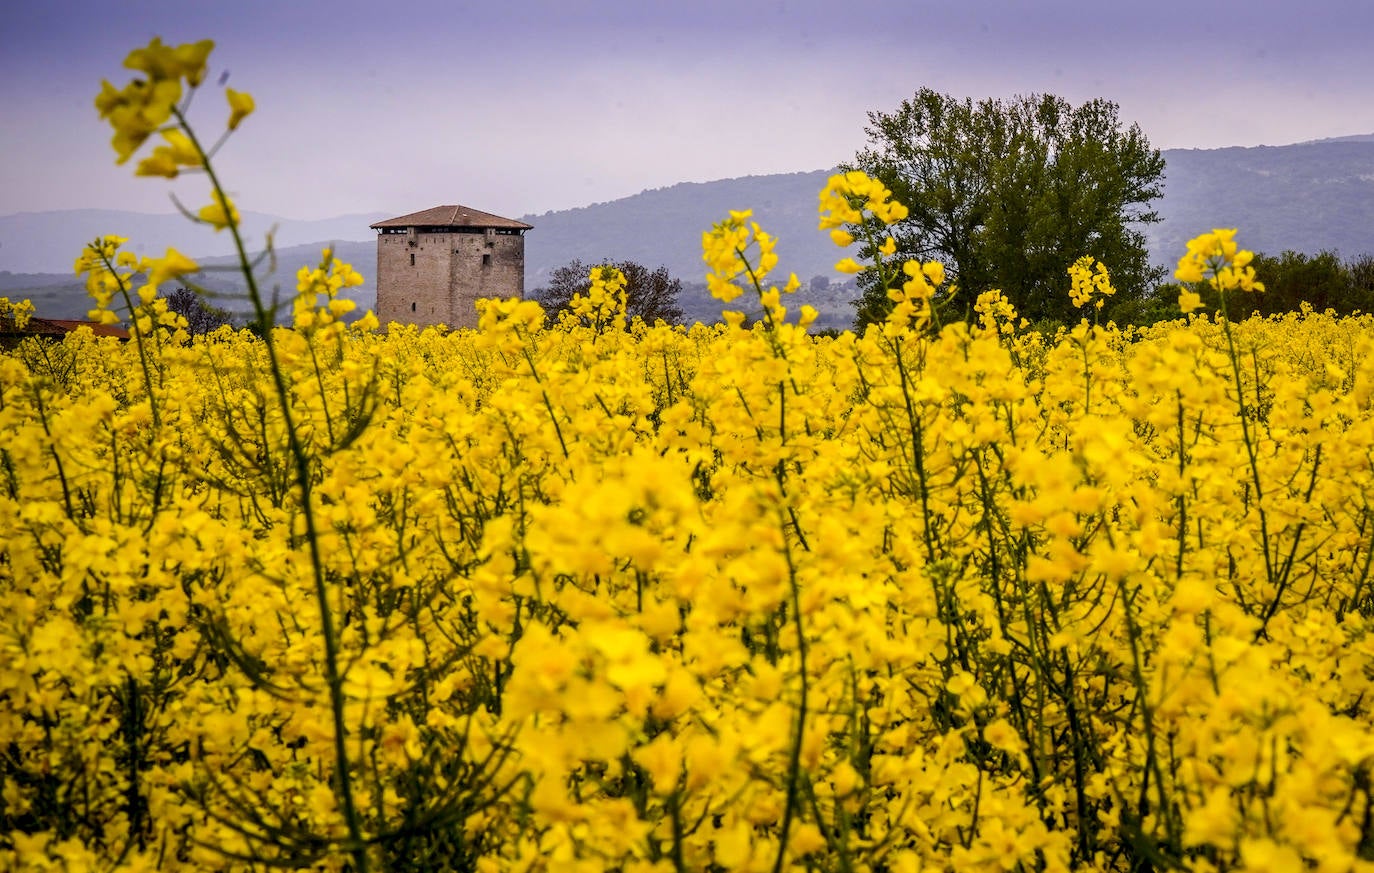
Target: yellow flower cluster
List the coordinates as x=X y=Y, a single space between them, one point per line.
x=110 y=272
x=1089 y=278
x=145 y=105
x=220 y=213
x=606 y=599
x=912 y=309
x=318 y=304
x=167 y=160
x=659 y=599
x=995 y=312
x=1215 y=258
x=726 y=249
x=851 y=198
x=846 y=196
x=153 y=105
x=17 y=312
x=603 y=306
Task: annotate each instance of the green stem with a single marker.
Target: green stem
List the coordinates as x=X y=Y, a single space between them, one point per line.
x=301 y=462
x=137 y=334
x=794 y=758
x=1251 y=453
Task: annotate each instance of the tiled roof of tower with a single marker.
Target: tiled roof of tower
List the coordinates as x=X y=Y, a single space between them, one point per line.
x=453 y=216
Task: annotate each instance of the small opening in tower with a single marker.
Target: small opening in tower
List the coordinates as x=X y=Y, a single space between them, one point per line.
x=412 y=306
x=412 y=259
x=486 y=260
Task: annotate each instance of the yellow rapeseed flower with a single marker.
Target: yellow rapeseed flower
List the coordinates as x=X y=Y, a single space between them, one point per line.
x=143 y=106
x=170 y=266
x=167 y=160
x=161 y=61
x=1189 y=301
x=1089 y=279
x=221 y=212
x=240 y=106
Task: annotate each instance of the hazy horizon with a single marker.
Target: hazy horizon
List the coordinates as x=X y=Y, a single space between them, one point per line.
x=526 y=108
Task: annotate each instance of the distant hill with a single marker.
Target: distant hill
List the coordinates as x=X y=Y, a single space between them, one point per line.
x=1307 y=197
x=1359 y=137
x=49 y=242
x=62 y=295
x=664 y=226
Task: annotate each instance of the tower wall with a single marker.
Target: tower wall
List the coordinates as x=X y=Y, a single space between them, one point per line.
x=491 y=264
x=436 y=276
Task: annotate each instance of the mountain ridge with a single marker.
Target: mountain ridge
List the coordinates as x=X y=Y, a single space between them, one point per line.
x=49 y=242
x=1307 y=197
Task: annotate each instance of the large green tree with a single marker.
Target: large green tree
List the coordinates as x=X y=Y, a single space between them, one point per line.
x=649 y=294
x=1007 y=194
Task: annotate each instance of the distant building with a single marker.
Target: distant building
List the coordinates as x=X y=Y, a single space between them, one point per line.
x=53 y=329
x=432 y=266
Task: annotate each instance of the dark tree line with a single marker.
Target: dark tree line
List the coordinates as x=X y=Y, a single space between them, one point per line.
x=1324 y=281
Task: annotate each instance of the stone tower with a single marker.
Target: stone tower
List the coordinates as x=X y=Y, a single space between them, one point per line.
x=432 y=266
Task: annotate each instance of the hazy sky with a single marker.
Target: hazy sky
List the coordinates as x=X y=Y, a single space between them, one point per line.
x=520 y=106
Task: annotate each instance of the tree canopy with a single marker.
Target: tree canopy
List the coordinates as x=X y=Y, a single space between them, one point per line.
x=1008 y=194
x=200 y=316
x=1323 y=281
x=649 y=294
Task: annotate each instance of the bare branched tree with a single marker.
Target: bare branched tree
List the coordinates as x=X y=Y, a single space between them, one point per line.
x=650 y=295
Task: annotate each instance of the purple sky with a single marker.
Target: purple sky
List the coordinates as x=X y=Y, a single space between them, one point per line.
x=519 y=106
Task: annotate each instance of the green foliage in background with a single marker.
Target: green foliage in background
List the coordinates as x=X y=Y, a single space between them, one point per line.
x=1006 y=194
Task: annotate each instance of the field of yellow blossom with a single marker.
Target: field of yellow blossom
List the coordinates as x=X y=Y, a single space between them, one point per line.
x=606 y=596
